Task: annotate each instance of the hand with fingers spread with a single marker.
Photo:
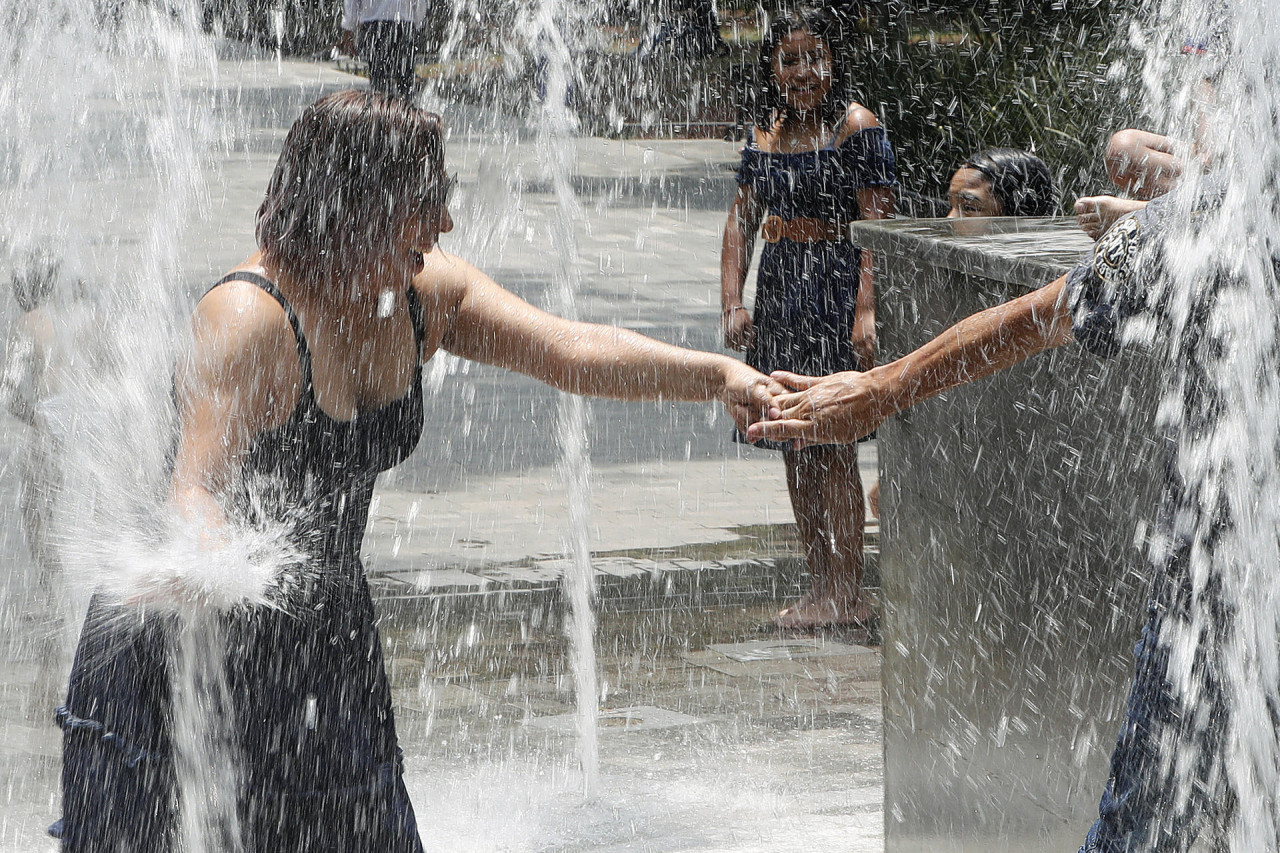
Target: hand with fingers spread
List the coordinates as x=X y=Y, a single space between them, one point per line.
x=836 y=409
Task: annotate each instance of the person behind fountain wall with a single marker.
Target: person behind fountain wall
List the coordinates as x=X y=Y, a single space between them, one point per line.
x=56 y=334
x=27 y=382
x=995 y=182
x=386 y=34
x=1143 y=805
x=303 y=382
x=1002 y=182
x=813 y=163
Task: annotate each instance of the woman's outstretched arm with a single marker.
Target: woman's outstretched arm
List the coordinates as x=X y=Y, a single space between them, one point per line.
x=483 y=322
x=843 y=407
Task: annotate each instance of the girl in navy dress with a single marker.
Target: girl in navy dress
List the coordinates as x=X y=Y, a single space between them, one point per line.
x=813 y=163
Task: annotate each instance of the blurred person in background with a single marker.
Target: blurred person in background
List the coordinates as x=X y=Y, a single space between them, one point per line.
x=386 y=34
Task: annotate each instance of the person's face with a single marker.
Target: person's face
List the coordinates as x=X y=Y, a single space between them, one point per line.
x=802 y=67
x=970 y=195
x=432 y=217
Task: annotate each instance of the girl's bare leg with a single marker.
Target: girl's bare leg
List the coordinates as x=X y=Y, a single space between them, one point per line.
x=826 y=496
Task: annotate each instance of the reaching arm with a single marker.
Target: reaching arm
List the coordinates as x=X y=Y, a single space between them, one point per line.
x=489 y=324
x=843 y=407
x=1143 y=164
x=735 y=258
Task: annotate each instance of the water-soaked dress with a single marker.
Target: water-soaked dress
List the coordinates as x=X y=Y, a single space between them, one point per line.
x=806 y=293
x=319 y=763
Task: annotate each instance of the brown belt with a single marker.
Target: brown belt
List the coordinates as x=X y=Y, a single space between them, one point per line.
x=801 y=230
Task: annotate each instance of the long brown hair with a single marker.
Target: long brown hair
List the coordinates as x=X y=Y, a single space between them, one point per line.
x=352 y=168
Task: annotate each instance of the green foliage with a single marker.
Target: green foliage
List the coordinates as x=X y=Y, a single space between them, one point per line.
x=296 y=26
x=951 y=79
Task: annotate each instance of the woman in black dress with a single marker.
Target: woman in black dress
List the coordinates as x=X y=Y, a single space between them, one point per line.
x=302 y=385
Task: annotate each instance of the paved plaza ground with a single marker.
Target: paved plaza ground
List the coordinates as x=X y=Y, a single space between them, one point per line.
x=717 y=734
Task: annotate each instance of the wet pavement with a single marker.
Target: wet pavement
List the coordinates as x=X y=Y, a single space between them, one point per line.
x=718 y=734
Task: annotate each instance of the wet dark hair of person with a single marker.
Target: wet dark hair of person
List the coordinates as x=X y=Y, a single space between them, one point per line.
x=353 y=165
x=33 y=283
x=769 y=104
x=1020 y=181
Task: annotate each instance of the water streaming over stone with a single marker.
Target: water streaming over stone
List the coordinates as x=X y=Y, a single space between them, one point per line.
x=1211 y=69
x=553 y=29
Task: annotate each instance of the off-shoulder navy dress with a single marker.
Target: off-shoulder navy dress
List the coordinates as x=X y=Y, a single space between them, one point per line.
x=806 y=292
x=314 y=740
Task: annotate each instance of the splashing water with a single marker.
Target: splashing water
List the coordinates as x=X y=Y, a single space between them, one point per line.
x=122 y=88
x=549 y=28
x=1223 y=409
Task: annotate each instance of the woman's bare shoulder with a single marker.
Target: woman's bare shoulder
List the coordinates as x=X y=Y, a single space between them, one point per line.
x=764 y=139
x=857 y=118
x=445 y=278
x=240 y=322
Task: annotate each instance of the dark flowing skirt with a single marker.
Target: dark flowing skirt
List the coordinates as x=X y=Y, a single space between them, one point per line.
x=307 y=715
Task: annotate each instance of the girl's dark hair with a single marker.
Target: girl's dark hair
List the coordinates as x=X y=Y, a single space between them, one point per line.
x=1020 y=181
x=769 y=105
x=353 y=166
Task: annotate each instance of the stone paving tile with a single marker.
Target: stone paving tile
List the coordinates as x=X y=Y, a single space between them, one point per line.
x=439 y=580
x=856 y=668
x=620 y=720
x=787 y=649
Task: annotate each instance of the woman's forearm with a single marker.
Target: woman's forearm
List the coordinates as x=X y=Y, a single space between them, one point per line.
x=493 y=326
x=604 y=361
x=978 y=346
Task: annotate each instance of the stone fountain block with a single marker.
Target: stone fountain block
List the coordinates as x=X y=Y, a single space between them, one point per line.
x=1012 y=572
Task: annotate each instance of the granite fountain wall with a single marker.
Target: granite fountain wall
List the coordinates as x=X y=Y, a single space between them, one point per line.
x=1013 y=515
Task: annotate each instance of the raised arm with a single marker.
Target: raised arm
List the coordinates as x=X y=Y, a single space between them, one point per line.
x=486 y=323
x=739 y=241
x=1144 y=164
x=843 y=407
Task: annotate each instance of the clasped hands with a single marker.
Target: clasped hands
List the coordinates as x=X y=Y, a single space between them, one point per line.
x=835 y=409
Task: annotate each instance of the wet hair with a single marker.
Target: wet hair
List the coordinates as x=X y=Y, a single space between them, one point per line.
x=352 y=167
x=1020 y=181
x=769 y=104
x=33 y=283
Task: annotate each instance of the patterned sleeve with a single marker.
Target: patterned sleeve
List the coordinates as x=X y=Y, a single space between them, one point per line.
x=1105 y=291
x=871 y=156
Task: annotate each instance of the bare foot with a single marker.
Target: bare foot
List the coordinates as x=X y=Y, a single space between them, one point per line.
x=812 y=612
x=1096 y=213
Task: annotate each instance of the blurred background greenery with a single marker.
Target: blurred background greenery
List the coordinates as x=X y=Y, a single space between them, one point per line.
x=1056 y=77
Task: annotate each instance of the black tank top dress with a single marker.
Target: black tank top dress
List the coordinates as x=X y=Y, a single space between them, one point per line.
x=319 y=768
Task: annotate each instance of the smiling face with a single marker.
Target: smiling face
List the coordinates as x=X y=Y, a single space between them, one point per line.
x=970 y=195
x=802 y=68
